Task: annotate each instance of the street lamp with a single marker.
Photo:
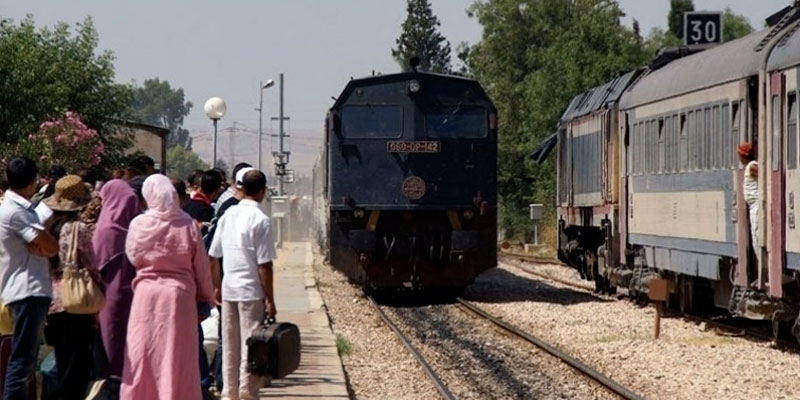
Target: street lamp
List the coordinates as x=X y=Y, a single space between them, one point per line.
x=215 y=109
x=261 y=86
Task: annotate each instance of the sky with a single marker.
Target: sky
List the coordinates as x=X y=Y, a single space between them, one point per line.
x=215 y=48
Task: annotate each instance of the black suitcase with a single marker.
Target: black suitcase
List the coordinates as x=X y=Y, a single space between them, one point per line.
x=273 y=349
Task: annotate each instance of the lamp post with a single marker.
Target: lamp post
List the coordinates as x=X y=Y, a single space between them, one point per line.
x=215 y=109
x=261 y=86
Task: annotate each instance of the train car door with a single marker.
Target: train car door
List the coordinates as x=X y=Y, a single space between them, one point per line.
x=776 y=248
x=792 y=177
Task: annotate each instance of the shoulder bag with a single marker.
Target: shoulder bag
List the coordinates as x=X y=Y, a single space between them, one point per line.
x=80 y=294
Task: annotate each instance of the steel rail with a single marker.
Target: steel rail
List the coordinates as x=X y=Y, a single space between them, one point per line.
x=437 y=381
x=552 y=350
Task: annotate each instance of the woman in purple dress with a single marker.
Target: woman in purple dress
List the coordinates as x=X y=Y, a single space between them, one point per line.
x=120 y=206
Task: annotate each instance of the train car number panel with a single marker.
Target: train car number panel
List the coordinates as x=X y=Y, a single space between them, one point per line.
x=403 y=146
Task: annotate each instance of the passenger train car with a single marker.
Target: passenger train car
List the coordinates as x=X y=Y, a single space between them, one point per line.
x=406 y=186
x=650 y=184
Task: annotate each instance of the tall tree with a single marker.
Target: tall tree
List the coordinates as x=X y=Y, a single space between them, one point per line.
x=735 y=25
x=420 y=38
x=45 y=72
x=181 y=162
x=157 y=103
x=675 y=17
x=532 y=59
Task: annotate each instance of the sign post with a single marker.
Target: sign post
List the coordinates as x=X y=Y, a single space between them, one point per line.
x=536 y=216
x=702 y=28
x=658 y=293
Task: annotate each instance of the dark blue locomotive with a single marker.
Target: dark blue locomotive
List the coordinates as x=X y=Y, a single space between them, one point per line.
x=406 y=185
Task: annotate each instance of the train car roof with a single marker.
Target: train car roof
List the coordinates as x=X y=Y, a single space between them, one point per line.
x=727 y=62
x=352 y=83
x=598 y=97
x=786 y=54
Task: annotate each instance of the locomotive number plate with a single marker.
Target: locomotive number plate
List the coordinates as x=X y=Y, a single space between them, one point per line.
x=399 y=146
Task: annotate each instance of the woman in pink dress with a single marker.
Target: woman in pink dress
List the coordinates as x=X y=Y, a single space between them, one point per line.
x=172 y=276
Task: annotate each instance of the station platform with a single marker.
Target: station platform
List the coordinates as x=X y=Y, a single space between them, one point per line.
x=320 y=375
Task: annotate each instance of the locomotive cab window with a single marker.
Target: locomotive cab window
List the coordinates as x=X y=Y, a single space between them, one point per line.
x=372 y=122
x=457 y=122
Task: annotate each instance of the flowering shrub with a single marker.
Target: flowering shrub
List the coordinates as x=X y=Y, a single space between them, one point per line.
x=67 y=142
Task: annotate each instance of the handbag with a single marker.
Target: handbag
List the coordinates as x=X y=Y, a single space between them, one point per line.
x=80 y=294
x=6 y=319
x=104 y=389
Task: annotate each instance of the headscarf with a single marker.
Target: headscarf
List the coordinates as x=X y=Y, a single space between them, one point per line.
x=120 y=206
x=745 y=150
x=162 y=199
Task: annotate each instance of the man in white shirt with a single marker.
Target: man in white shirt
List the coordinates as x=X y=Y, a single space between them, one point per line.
x=25 y=283
x=245 y=243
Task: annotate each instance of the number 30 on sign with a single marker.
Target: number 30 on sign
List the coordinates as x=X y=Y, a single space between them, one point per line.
x=702 y=27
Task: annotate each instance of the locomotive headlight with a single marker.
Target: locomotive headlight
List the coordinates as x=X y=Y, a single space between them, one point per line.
x=358 y=213
x=413 y=86
x=468 y=214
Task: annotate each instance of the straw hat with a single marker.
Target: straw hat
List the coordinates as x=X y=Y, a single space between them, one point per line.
x=71 y=194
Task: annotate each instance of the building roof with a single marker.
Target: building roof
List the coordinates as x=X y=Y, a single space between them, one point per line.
x=727 y=62
x=158 y=130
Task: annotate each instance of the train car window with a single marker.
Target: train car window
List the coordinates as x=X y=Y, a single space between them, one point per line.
x=716 y=145
x=690 y=141
x=791 y=131
x=776 y=132
x=727 y=144
x=456 y=122
x=735 y=124
x=683 y=144
x=706 y=153
x=662 y=150
x=372 y=122
x=634 y=148
x=696 y=139
x=676 y=140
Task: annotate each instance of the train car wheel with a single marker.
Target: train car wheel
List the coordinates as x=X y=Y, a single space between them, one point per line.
x=782 y=330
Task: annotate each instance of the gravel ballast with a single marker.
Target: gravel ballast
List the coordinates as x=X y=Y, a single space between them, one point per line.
x=615 y=336
x=477 y=361
x=378 y=366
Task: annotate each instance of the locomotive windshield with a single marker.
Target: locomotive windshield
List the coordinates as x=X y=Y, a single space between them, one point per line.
x=457 y=122
x=372 y=122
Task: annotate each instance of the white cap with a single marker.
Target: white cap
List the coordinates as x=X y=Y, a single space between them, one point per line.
x=240 y=176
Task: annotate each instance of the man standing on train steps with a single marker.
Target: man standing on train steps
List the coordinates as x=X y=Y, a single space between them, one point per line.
x=245 y=243
x=750 y=190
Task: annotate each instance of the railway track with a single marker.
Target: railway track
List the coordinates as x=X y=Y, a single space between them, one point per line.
x=441 y=387
x=711 y=323
x=573 y=362
x=477 y=312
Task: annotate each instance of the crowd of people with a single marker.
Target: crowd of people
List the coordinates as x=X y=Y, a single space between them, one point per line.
x=162 y=250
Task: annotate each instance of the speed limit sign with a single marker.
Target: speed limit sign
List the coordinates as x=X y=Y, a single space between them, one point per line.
x=702 y=27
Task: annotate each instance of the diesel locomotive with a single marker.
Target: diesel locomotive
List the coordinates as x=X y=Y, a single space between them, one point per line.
x=649 y=184
x=405 y=188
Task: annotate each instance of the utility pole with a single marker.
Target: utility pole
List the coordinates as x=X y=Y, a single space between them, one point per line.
x=230 y=146
x=281 y=156
x=281 y=160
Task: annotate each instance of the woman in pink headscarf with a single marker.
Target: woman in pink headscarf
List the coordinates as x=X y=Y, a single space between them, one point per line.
x=172 y=276
x=120 y=206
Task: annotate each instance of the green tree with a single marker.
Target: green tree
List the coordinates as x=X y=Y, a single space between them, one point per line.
x=45 y=72
x=532 y=60
x=157 y=103
x=675 y=18
x=420 y=38
x=735 y=25
x=182 y=161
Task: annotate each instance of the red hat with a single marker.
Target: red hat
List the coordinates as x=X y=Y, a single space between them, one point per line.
x=745 y=150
